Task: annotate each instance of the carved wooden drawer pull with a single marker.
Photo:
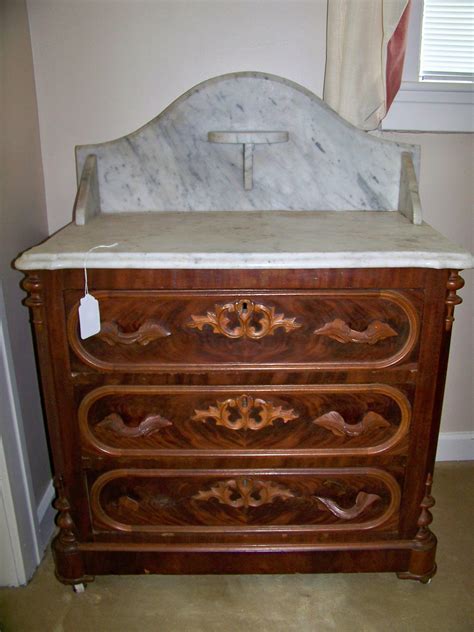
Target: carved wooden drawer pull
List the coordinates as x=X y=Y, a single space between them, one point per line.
x=244 y=493
x=149 y=425
x=244 y=405
x=363 y=501
x=255 y=320
x=148 y=332
x=335 y=422
x=340 y=331
x=125 y=504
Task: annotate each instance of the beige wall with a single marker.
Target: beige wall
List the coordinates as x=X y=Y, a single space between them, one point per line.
x=104 y=68
x=447 y=196
x=22 y=217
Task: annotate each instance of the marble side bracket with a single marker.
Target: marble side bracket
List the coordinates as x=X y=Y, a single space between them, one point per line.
x=87 y=202
x=248 y=140
x=409 y=199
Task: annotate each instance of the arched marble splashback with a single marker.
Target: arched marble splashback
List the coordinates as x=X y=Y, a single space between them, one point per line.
x=170 y=165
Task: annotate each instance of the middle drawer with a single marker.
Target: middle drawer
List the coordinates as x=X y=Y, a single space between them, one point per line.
x=336 y=419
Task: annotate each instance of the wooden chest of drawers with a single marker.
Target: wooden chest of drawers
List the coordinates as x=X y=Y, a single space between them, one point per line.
x=244 y=421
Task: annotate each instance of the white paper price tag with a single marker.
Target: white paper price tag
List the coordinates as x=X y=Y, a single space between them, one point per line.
x=89 y=316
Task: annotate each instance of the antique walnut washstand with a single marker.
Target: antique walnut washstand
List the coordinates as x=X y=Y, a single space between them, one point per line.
x=264 y=393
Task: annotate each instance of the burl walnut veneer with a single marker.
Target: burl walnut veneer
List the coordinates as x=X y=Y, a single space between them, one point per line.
x=263 y=393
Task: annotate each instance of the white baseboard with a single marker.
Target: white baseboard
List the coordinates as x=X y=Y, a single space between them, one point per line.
x=46 y=514
x=455 y=446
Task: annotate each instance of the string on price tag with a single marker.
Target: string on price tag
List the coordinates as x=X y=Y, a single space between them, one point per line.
x=89 y=312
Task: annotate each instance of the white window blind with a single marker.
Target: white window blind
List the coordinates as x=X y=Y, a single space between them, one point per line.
x=447 y=45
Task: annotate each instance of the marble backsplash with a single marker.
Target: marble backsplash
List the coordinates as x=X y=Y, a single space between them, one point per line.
x=171 y=165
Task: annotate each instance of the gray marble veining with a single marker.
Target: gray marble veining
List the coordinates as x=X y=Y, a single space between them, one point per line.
x=170 y=165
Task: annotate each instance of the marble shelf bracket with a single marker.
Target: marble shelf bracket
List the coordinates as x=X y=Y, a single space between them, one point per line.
x=87 y=202
x=409 y=200
x=248 y=140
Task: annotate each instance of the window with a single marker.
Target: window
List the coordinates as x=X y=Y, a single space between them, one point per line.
x=443 y=102
x=447 y=41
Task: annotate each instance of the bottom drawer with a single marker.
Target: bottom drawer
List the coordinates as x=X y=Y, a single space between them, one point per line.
x=156 y=501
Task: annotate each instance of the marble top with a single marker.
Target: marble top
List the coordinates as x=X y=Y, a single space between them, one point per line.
x=247 y=141
x=266 y=163
x=257 y=239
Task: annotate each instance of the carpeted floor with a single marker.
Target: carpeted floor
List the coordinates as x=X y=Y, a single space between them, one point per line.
x=276 y=603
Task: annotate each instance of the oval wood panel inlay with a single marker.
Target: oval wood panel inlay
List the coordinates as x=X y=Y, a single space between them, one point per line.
x=264 y=420
x=210 y=330
x=332 y=499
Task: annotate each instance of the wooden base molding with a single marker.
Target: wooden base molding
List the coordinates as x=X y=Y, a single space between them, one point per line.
x=404 y=558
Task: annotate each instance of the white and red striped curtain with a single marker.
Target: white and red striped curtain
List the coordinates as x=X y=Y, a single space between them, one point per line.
x=366 y=41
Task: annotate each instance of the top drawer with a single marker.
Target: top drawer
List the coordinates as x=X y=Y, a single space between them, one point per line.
x=324 y=329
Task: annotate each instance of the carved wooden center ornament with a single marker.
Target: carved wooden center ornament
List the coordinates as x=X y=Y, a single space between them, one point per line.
x=245 y=493
x=244 y=412
x=255 y=320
